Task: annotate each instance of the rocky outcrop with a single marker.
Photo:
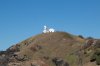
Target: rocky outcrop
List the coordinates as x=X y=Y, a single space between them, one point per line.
x=14 y=48
x=35 y=48
x=38 y=63
x=59 y=62
x=14 y=64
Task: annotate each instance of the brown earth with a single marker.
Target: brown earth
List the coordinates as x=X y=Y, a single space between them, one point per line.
x=49 y=49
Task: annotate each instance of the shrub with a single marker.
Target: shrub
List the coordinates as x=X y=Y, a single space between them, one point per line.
x=90 y=38
x=96 y=57
x=59 y=62
x=98 y=60
x=81 y=36
x=92 y=59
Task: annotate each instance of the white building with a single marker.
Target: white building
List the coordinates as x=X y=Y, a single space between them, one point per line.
x=46 y=30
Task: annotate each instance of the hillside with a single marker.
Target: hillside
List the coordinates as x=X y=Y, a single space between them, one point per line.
x=52 y=49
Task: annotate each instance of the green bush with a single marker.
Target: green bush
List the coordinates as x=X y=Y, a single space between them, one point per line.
x=96 y=57
x=98 y=60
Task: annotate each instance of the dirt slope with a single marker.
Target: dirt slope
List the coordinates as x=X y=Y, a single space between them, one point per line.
x=49 y=49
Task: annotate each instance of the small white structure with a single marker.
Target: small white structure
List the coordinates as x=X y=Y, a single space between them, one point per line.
x=51 y=30
x=46 y=30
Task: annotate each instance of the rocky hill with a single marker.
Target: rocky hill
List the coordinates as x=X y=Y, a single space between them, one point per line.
x=53 y=49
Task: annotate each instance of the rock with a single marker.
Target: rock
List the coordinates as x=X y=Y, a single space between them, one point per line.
x=21 y=57
x=14 y=48
x=14 y=64
x=38 y=63
x=46 y=57
x=97 y=44
x=35 y=48
x=88 y=44
x=3 y=59
x=59 y=62
x=3 y=62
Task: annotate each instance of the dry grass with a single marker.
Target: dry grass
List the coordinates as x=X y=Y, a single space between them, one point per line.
x=58 y=44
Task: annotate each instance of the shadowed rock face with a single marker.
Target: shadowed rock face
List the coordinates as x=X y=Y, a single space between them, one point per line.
x=14 y=64
x=3 y=60
x=97 y=45
x=14 y=48
x=59 y=62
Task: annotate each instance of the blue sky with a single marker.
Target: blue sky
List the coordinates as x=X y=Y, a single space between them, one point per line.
x=21 y=19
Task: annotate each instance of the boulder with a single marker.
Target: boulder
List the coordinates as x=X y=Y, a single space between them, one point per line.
x=59 y=62
x=14 y=64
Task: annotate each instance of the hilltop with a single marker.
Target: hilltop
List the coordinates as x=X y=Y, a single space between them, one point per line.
x=53 y=49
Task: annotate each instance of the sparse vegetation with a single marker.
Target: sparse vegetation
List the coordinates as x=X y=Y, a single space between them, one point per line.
x=81 y=36
x=51 y=49
x=96 y=57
